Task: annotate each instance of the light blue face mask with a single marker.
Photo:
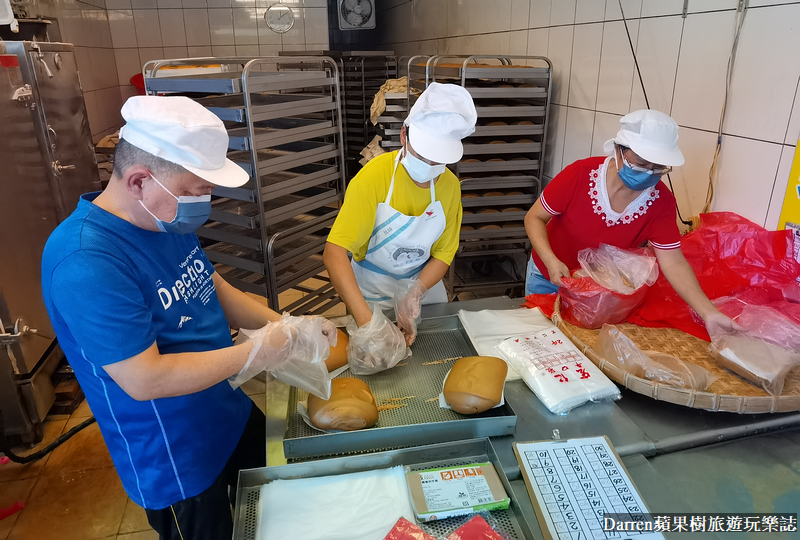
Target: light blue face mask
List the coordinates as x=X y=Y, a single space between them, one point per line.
x=191 y=212
x=636 y=180
x=420 y=171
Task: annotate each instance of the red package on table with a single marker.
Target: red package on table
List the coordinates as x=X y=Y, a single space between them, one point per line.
x=405 y=530
x=475 y=529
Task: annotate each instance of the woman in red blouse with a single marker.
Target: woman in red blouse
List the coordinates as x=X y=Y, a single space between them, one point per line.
x=617 y=200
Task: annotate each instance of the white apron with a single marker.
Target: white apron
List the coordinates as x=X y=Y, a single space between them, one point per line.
x=398 y=249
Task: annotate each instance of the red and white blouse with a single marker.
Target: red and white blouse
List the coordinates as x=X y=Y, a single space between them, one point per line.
x=577 y=198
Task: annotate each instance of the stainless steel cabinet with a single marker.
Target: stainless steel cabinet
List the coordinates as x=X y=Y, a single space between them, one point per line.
x=47 y=162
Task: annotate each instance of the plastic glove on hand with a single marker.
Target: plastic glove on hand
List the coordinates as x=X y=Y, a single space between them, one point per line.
x=328 y=328
x=719 y=324
x=272 y=346
x=407 y=301
x=375 y=346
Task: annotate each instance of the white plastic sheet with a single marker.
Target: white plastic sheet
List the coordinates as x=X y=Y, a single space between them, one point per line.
x=357 y=506
x=556 y=371
x=489 y=327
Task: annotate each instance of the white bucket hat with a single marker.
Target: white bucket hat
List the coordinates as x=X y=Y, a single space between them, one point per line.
x=442 y=116
x=651 y=134
x=181 y=131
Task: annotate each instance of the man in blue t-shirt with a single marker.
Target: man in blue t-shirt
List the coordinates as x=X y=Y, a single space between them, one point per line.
x=145 y=321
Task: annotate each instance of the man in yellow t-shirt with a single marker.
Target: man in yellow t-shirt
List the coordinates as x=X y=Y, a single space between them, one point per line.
x=401 y=216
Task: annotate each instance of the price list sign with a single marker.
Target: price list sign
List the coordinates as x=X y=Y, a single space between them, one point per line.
x=573 y=484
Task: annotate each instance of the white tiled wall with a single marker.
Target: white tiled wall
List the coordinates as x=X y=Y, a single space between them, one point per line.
x=145 y=30
x=683 y=63
x=114 y=38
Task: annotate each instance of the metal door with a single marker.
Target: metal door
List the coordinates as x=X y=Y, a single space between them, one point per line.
x=66 y=127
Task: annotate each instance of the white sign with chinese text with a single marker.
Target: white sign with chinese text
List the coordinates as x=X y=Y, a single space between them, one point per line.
x=576 y=484
x=556 y=371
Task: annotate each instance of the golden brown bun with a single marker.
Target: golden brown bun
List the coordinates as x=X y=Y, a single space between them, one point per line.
x=490 y=211
x=524 y=123
x=514 y=193
x=512 y=209
x=523 y=141
x=475 y=384
x=352 y=406
x=497 y=142
x=471 y=160
x=467 y=228
x=469 y=195
x=338 y=356
x=496 y=159
x=493 y=194
x=497 y=123
x=487 y=227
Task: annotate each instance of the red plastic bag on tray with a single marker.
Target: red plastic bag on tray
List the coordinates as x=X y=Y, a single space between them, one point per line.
x=610 y=285
x=476 y=529
x=405 y=530
x=730 y=256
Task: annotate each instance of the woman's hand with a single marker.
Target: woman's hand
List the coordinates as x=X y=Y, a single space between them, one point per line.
x=719 y=324
x=557 y=270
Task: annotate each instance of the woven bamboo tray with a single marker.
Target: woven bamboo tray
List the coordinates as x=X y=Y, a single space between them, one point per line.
x=729 y=393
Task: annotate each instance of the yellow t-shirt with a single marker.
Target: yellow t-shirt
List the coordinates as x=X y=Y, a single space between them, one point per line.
x=356 y=219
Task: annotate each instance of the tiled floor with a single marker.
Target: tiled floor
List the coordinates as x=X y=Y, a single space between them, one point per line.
x=75 y=493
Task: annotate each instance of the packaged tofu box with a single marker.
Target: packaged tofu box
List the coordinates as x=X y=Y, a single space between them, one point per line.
x=456 y=491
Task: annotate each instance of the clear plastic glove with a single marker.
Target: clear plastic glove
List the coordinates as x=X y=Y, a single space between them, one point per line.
x=407 y=303
x=328 y=328
x=719 y=324
x=293 y=350
x=375 y=346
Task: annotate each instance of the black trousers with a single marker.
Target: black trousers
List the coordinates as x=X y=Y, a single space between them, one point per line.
x=207 y=516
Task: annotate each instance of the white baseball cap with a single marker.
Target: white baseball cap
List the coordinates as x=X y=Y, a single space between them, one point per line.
x=442 y=116
x=653 y=135
x=181 y=131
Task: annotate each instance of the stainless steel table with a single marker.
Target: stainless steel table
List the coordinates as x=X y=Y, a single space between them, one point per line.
x=681 y=459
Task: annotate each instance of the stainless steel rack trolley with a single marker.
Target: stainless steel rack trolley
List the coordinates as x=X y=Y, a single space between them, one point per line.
x=500 y=172
x=284 y=121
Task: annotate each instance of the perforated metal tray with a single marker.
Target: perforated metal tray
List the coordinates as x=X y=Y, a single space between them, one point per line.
x=511 y=522
x=420 y=421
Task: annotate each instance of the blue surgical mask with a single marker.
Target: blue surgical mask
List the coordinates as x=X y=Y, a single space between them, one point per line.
x=420 y=171
x=191 y=212
x=636 y=180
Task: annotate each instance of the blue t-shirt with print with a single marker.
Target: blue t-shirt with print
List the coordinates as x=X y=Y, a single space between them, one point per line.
x=112 y=289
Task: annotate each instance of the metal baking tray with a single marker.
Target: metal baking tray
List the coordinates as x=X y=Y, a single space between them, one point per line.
x=472 y=149
x=512 y=130
x=285 y=157
x=495 y=217
x=497 y=166
x=514 y=234
x=526 y=199
x=511 y=522
x=285 y=131
x=503 y=93
x=230 y=108
x=420 y=421
x=231 y=82
x=499 y=182
x=247 y=215
x=512 y=111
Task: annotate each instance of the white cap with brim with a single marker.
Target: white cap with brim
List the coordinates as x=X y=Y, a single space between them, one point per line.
x=652 y=135
x=442 y=116
x=181 y=131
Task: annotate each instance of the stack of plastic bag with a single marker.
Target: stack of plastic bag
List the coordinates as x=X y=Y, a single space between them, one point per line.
x=611 y=284
x=764 y=351
x=617 y=348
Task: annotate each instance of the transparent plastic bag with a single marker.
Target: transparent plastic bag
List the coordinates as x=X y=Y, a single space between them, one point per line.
x=303 y=352
x=764 y=352
x=610 y=285
x=377 y=346
x=556 y=371
x=617 y=348
x=407 y=304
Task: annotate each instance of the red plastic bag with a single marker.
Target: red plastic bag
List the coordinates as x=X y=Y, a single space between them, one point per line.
x=730 y=256
x=545 y=302
x=611 y=284
x=405 y=530
x=475 y=529
x=586 y=304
